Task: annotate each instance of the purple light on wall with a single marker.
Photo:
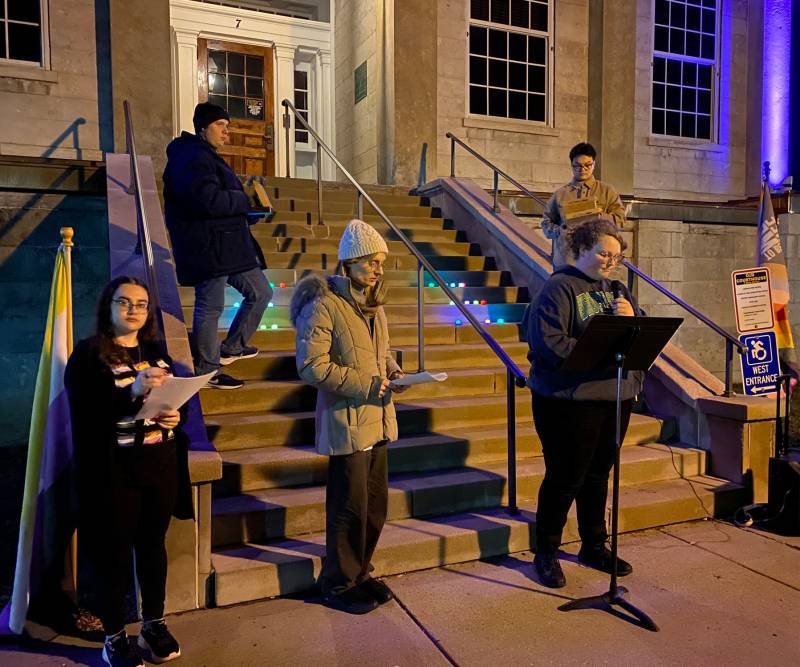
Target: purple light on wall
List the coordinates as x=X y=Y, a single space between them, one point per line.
x=777 y=88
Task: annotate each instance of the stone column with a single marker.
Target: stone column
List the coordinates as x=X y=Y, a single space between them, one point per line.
x=325 y=105
x=284 y=89
x=184 y=59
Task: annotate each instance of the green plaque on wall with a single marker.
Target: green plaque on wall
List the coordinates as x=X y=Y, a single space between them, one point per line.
x=360 y=76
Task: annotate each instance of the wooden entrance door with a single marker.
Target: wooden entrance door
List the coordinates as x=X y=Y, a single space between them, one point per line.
x=239 y=78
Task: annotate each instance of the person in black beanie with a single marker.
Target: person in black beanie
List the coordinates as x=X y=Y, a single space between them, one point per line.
x=206 y=208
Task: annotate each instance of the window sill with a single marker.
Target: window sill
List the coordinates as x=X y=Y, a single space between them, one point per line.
x=687 y=144
x=28 y=73
x=522 y=127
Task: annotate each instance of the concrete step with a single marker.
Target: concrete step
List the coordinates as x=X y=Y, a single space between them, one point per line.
x=250 y=470
x=251 y=571
x=390 y=207
x=338 y=221
x=431 y=233
x=282 y=296
x=286 y=512
x=310 y=186
x=248 y=431
x=331 y=245
x=338 y=195
x=501 y=313
x=327 y=261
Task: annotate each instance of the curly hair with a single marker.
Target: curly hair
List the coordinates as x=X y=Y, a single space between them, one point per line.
x=586 y=235
x=110 y=351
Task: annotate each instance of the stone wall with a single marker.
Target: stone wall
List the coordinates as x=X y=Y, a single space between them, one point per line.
x=54 y=112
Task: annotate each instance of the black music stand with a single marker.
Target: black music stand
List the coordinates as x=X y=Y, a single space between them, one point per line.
x=627 y=344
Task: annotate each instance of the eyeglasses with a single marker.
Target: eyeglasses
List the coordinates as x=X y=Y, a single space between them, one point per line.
x=611 y=257
x=581 y=166
x=374 y=264
x=125 y=304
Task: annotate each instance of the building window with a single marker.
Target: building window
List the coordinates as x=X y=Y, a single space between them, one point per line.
x=21 y=33
x=509 y=59
x=685 y=66
x=236 y=83
x=301 y=100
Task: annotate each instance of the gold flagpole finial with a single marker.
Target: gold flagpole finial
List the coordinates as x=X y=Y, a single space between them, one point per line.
x=66 y=236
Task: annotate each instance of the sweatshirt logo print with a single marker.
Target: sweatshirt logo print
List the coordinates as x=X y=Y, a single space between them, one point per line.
x=592 y=303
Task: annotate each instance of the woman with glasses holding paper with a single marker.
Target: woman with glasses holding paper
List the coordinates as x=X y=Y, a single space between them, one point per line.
x=575 y=412
x=132 y=475
x=343 y=350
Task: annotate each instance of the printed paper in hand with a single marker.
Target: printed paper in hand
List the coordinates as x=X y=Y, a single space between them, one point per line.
x=172 y=394
x=419 y=378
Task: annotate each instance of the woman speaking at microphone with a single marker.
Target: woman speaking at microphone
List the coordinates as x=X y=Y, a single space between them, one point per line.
x=575 y=412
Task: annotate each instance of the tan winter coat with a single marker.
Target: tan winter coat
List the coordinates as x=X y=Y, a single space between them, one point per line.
x=337 y=354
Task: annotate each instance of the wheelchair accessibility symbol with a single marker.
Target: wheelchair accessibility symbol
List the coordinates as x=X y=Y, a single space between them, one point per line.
x=759 y=350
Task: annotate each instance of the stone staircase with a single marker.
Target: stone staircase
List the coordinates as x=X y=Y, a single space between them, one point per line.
x=448 y=469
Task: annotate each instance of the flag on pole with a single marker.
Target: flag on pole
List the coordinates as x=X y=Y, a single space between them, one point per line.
x=769 y=253
x=47 y=501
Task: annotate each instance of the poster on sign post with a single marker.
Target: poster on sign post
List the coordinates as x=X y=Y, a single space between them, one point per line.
x=752 y=300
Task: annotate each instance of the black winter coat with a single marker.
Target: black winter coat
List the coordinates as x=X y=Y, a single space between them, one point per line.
x=206 y=209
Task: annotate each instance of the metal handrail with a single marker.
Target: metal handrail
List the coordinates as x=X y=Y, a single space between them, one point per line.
x=496 y=171
x=514 y=375
x=143 y=243
x=730 y=341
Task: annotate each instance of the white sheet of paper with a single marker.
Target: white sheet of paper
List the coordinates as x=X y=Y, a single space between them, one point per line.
x=172 y=394
x=419 y=378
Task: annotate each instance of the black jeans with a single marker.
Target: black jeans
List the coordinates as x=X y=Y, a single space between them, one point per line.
x=578 y=440
x=356 y=501
x=138 y=518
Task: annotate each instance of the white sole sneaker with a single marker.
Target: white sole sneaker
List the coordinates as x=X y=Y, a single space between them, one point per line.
x=226 y=361
x=152 y=657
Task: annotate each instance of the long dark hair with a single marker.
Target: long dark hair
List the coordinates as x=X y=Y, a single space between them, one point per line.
x=376 y=295
x=110 y=352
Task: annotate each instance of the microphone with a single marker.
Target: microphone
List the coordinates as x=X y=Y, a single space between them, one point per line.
x=617 y=289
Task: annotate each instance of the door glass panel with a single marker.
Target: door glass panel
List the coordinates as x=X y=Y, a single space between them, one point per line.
x=236 y=83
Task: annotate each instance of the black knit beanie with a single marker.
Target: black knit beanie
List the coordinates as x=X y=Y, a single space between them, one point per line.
x=206 y=113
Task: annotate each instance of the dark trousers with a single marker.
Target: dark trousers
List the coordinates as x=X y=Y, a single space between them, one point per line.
x=137 y=522
x=356 y=500
x=578 y=440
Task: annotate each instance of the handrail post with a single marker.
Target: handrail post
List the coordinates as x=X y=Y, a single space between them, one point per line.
x=359 y=206
x=728 y=360
x=511 y=418
x=452 y=157
x=319 y=184
x=287 y=124
x=495 y=187
x=420 y=317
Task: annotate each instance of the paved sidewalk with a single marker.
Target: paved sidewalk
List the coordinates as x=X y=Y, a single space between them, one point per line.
x=721 y=595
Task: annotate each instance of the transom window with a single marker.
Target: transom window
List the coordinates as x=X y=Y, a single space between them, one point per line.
x=685 y=48
x=21 y=30
x=236 y=83
x=509 y=62
x=301 y=102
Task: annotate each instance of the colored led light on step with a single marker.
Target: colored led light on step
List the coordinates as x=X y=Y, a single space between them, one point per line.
x=282 y=285
x=487 y=321
x=236 y=305
x=452 y=284
x=500 y=320
x=475 y=302
x=274 y=326
x=466 y=302
x=483 y=302
x=270 y=305
x=452 y=303
x=431 y=284
x=262 y=327
x=458 y=322
x=272 y=285
x=462 y=284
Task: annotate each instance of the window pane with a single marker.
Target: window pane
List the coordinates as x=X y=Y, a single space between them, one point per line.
x=536 y=79
x=662 y=12
x=674 y=71
x=708 y=48
x=497 y=43
x=24 y=42
x=688 y=125
x=477 y=41
x=673 y=124
x=255 y=109
x=693 y=18
x=300 y=100
x=659 y=95
x=236 y=107
x=516 y=105
x=255 y=87
x=658 y=122
x=255 y=66
x=676 y=41
x=236 y=85
x=519 y=15
x=704 y=127
x=498 y=73
x=479 y=9
x=477 y=100
x=516 y=47
x=301 y=79
x=536 y=108
x=689 y=102
x=216 y=61
x=661 y=39
x=24 y=10
x=677 y=15
x=216 y=84
x=689 y=74
x=500 y=13
x=516 y=76
x=477 y=70
x=673 y=97
x=704 y=76
x=497 y=103
x=537 y=51
x=219 y=100
x=538 y=17
x=235 y=63
x=3 y=44
x=709 y=17
x=704 y=101
x=659 y=69
x=693 y=44
x=301 y=136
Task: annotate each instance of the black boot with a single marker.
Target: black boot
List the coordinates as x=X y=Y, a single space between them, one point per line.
x=549 y=570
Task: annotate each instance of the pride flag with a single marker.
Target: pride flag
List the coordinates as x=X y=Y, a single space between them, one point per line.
x=46 y=521
x=769 y=253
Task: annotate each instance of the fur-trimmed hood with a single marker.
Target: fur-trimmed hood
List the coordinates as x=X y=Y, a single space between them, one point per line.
x=315 y=287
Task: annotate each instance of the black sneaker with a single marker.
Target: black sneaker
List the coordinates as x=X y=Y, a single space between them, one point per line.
x=118 y=652
x=599 y=558
x=157 y=640
x=549 y=570
x=377 y=590
x=222 y=381
x=246 y=353
x=353 y=601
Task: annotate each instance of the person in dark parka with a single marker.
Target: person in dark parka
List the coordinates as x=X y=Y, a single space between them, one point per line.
x=206 y=214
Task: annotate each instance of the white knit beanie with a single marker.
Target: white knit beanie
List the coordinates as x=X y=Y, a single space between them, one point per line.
x=360 y=239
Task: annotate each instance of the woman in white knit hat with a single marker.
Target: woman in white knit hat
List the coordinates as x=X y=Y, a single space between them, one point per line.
x=343 y=350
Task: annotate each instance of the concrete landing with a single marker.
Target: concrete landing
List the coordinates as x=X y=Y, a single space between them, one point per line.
x=721 y=595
